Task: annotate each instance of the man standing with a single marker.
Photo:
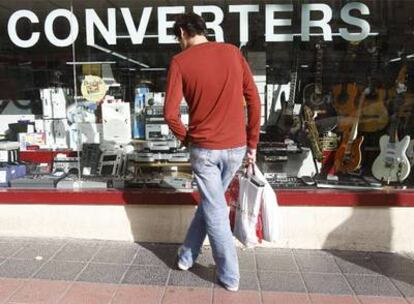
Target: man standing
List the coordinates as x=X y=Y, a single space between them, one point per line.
x=215 y=79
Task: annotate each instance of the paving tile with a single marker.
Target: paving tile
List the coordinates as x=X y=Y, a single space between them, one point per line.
x=311 y=252
x=148 y=275
x=60 y=270
x=392 y=264
x=332 y=299
x=381 y=300
x=85 y=242
x=317 y=263
x=40 y=291
x=89 y=293
x=76 y=252
x=281 y=281
x=206 y=259
x=357 y=265
x=103 y=273
x=197 y=276
x=405 y=284
x=410 y=300
x=127 y=294
x=116 y=254
x=43 y=250
x=264 y=250
x=248 y=280
x=8 y=249
x=246 y=260
x=326 y=283
x=19 y=268
x=348 y=253
x=189 y=295
x=221 y=296
x=161 y=255
x=8 y=287
x=276 y=262
x=284 y=297
x=368 y=285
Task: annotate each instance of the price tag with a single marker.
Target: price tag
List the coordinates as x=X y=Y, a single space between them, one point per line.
x=296 y=108
x=3 y=177
x=4 y=156
x=86 y=171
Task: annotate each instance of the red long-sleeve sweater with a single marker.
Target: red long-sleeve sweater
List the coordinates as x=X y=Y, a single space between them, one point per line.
x=213 y=78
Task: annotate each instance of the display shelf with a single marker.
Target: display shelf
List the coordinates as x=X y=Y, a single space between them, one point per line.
x=316 y=197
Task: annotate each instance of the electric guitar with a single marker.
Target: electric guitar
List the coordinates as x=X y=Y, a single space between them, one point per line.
x=348 y=156
x=289 y=123
x=392 y=164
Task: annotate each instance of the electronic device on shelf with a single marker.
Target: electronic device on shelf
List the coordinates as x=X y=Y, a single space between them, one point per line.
x=179 y=157
x=43 y=181
x=171 y=157
x=158 y=132
x=74 y=183
x=111 y=163
x=161 y=146
x=296 y=161
x=10 y=172
x=91 y=154
x=66 y=163
x=282 y=180
x=9 y=151
x=347 y=182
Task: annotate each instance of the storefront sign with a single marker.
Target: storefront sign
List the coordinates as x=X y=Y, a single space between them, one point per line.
x=276 y=16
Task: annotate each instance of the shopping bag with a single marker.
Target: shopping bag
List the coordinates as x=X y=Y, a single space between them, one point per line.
x=248 y=208
x=233 y=197
x=269 y=216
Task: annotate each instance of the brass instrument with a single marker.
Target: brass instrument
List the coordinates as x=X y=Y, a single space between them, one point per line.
x=312 y=133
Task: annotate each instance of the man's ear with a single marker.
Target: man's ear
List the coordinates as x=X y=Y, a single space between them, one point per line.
x=182 y=33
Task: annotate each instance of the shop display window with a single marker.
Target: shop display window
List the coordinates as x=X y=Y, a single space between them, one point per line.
x=82 y=92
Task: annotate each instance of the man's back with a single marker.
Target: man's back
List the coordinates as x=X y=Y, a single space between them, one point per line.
x=214 y=78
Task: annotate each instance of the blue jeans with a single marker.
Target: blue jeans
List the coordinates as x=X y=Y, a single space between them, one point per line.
x=213 y=171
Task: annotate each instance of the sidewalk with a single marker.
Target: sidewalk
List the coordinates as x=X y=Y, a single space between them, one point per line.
x=78 y=271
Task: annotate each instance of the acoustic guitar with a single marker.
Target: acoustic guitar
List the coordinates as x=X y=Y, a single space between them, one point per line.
x=316 y=99
x=345 y=93
x=374 y=116
x=348 y=155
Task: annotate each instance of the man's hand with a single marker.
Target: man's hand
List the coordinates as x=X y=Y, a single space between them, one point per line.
x=250 y=156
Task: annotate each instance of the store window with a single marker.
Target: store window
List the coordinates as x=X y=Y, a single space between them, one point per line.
x=82 y=91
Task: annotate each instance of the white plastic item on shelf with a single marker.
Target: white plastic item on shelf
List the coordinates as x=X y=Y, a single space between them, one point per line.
x=90 y=133
x=116 y=118
x=53 y=102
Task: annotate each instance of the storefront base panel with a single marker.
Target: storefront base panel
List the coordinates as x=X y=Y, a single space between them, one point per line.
x=345 y=228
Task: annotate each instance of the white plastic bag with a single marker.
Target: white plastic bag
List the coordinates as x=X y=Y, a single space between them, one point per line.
x=270 y=210
x=247 y=209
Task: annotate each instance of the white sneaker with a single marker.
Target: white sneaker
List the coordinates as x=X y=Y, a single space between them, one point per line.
x=182 y=266
x=228 y=288
x=233 y=289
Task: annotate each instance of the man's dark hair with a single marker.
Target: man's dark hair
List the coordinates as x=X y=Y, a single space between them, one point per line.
x=191 y=23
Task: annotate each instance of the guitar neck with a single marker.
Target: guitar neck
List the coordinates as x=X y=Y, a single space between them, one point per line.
x=292 y=94
x=318 y=72
x=354 y=130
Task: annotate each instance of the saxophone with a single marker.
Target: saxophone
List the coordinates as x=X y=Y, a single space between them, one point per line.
x=312 y=133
